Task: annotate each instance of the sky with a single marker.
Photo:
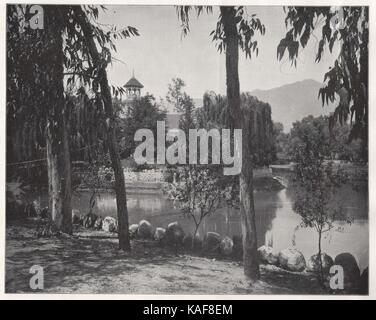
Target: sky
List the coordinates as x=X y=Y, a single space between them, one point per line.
x=161 y=53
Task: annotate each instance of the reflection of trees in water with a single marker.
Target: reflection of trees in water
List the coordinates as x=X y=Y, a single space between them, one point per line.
x=132 y=203
x=350 y=238
x=227 y=221
x=275 y=217
x=150 y=204
x=353 y=200
x=266 y=205
x=285 y=223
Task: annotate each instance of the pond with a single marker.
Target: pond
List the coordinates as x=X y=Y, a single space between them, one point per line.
x=277 y=223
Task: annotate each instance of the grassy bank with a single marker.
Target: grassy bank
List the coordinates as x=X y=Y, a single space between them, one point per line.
x=89 y=262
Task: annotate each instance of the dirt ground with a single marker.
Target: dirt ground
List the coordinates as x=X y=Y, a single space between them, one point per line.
x=89 y=262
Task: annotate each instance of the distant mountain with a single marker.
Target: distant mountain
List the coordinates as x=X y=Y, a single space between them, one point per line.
x=291 y=102
x=294 y=101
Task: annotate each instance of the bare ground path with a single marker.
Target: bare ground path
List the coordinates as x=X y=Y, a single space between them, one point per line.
x=90 y=262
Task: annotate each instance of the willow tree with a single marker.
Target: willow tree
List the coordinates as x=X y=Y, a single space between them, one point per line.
x=89 y=52
x=36 y=96
x=236 y=29
x=72 y=50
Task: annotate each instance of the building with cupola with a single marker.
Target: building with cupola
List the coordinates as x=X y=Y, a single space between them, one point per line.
x=133 y=91
x=133 y=88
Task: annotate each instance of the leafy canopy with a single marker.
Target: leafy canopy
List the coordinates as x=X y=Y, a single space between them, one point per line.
x=348 y=77
x=247 y=25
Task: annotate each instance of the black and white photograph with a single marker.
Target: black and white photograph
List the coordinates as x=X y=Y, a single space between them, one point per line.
x=184 y=149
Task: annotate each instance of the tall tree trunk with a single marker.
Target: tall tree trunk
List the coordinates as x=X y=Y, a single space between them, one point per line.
x=121 y=198
x=247 y=210
x=57 y=133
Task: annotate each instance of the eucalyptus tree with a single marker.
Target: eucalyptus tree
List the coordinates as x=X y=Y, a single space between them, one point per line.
x=88 y=63
x=235 y=29
x=344 y=29
x=36 y=92
x=71 y=51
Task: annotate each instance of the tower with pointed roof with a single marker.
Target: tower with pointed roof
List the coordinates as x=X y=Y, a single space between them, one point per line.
x=133 y=88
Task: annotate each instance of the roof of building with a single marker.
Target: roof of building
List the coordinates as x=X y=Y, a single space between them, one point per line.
x=133 y=82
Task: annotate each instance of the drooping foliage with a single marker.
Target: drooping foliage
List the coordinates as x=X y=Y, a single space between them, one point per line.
x=72 y=51
x=27 y=84
x=214 y=114
x=87 y=127
x=247 y=25
x=236 y=29
x=346 y=30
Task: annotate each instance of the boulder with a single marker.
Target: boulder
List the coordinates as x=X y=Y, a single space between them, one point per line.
x=267 y=255
x=292 y=260
x=98 y=223
x=145 y=230
x=226 y=246
x=76 y=216
x=109 y=224
x=133 y=229
x=187 y=242
x=237 y=250
x=351 y=270
x=159 y=234
x=313 y=263
x=174 y=233
x=89 y=220
x=212 y=242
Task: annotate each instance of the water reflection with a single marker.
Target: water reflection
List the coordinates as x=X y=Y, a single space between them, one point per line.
x=285 y=230
x=276 y=221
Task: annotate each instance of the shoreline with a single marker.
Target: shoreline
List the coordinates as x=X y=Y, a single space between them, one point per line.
x=89 y=262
